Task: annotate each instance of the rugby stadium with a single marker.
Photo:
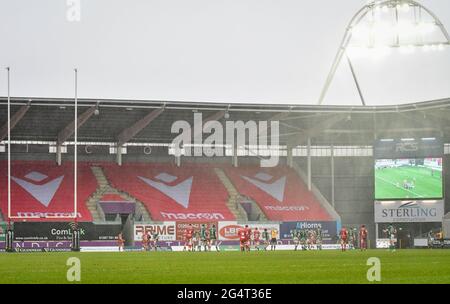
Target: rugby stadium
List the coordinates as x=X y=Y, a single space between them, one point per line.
x=106 y=190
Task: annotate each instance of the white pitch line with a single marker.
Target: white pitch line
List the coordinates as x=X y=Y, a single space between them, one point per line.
x=417 y=194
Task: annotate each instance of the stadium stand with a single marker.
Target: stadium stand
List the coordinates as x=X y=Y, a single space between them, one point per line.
x=189 y=192
x=106 y=192
x=279 y=192
x=161 y=191
x=43 y=189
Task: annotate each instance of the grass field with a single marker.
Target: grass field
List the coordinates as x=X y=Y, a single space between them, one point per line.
x=389 y=181
x=402 y=266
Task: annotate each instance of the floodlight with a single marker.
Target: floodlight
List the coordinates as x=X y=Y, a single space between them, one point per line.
x=401 y=24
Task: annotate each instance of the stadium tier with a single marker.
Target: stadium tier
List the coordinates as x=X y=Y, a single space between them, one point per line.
x=44 y=190
x=280 y=193
x=192 y=192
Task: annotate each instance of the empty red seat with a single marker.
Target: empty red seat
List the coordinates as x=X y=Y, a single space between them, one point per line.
x=44 y=190
x=280 y=193
x=191 y=192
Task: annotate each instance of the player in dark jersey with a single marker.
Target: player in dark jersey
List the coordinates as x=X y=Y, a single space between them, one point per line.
x=302 y=238
x=350 y=238
x=363 y=234
x=294 y=238
x=197 y=241
x=213 y=237
x=154 y=241
x=145 y=241
x=319 y=238
x=203 y=237
x=266 y=238
x=392 y=235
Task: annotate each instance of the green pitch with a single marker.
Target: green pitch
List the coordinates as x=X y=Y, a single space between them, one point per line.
x=389 y=183
x=402 y=266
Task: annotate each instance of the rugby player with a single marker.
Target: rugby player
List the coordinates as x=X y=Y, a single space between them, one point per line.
x=319 y=238
x=294 y=236
x=266 y=237
x=203 y=238
x=120 y=241
x=343 y=234
x=303 y=238
x=363 y=233
x=256 y=237
x=242 y=233
x=213 y=237
x=273 y=240
x=154 y=241
x=392 y=235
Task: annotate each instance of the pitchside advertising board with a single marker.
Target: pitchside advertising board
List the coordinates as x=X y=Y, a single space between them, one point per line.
x=329 y=229
x=181 y=227
x=409 y=211
x=228 y=231
x=166 y=231
x=58 y=231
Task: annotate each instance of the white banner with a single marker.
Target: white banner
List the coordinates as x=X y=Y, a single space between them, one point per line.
x=166 y=231
x=228 y=231
x=383 y=243
x=409 y=211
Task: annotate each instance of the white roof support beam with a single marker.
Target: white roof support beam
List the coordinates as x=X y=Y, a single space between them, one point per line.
x=68 y=131
x=130 y=132
x=14 y=120
x=316 y=130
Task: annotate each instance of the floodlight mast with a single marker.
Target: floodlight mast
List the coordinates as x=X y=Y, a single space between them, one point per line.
x=356 y=19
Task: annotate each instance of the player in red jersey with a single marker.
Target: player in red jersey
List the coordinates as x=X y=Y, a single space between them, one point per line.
x=189 y=234
x=120 y=241
x=363 y=234
x=256 y=236
x=242 y=234
x=248 y=233
x=344 y=235
x=184 y=239
x=145 y=241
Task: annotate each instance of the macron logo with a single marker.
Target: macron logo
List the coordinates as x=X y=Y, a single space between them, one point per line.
x=180 y=192
x=43 y=193
x=274 y=189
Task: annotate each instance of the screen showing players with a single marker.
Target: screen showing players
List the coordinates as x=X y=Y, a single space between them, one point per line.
x=417 y=178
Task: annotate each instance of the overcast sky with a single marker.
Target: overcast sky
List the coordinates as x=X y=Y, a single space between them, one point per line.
x=256 y=51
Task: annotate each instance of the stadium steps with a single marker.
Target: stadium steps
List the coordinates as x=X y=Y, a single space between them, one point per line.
x=257 y=214
x=104 y=187
x=234 y=199
x=142 y=214
x=322 y=200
